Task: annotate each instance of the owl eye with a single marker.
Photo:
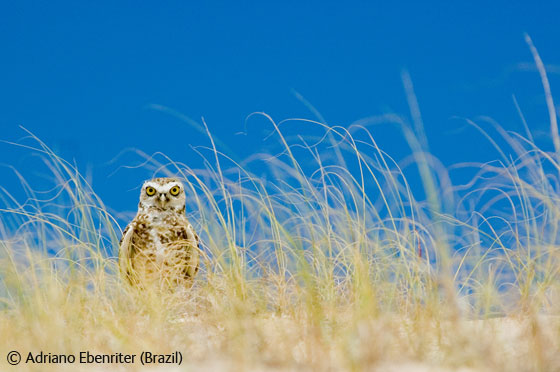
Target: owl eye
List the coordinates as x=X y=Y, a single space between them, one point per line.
x=150 y=191
x=175 y=190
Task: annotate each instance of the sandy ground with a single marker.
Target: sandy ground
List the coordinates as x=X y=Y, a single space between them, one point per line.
x=501 y=344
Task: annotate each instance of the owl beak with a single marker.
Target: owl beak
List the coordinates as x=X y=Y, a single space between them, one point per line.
x=163 y=198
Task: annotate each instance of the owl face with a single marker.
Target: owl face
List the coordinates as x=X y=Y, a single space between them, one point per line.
x=163 y=194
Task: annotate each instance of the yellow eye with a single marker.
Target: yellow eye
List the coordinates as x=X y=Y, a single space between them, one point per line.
x=150 y=191
x=175 y=190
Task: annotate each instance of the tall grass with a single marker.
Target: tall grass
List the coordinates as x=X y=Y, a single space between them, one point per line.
x=326 y=259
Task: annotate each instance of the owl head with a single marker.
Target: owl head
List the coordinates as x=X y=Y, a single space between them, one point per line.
x=163 y=194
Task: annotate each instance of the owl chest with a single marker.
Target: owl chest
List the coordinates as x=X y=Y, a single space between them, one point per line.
x=159 y=246
x=159 y=241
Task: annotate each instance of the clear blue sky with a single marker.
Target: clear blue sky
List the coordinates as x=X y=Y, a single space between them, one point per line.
x=81 y=75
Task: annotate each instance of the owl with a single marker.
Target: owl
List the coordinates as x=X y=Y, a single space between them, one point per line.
x=160 y=247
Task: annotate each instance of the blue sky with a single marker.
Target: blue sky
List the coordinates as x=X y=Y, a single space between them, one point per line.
x=83 y=75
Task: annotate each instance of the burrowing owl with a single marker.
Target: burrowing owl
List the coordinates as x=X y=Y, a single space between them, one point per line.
x=159 y=247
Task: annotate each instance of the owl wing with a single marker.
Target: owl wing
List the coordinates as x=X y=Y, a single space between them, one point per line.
x=194 y=243
x=125 y=250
